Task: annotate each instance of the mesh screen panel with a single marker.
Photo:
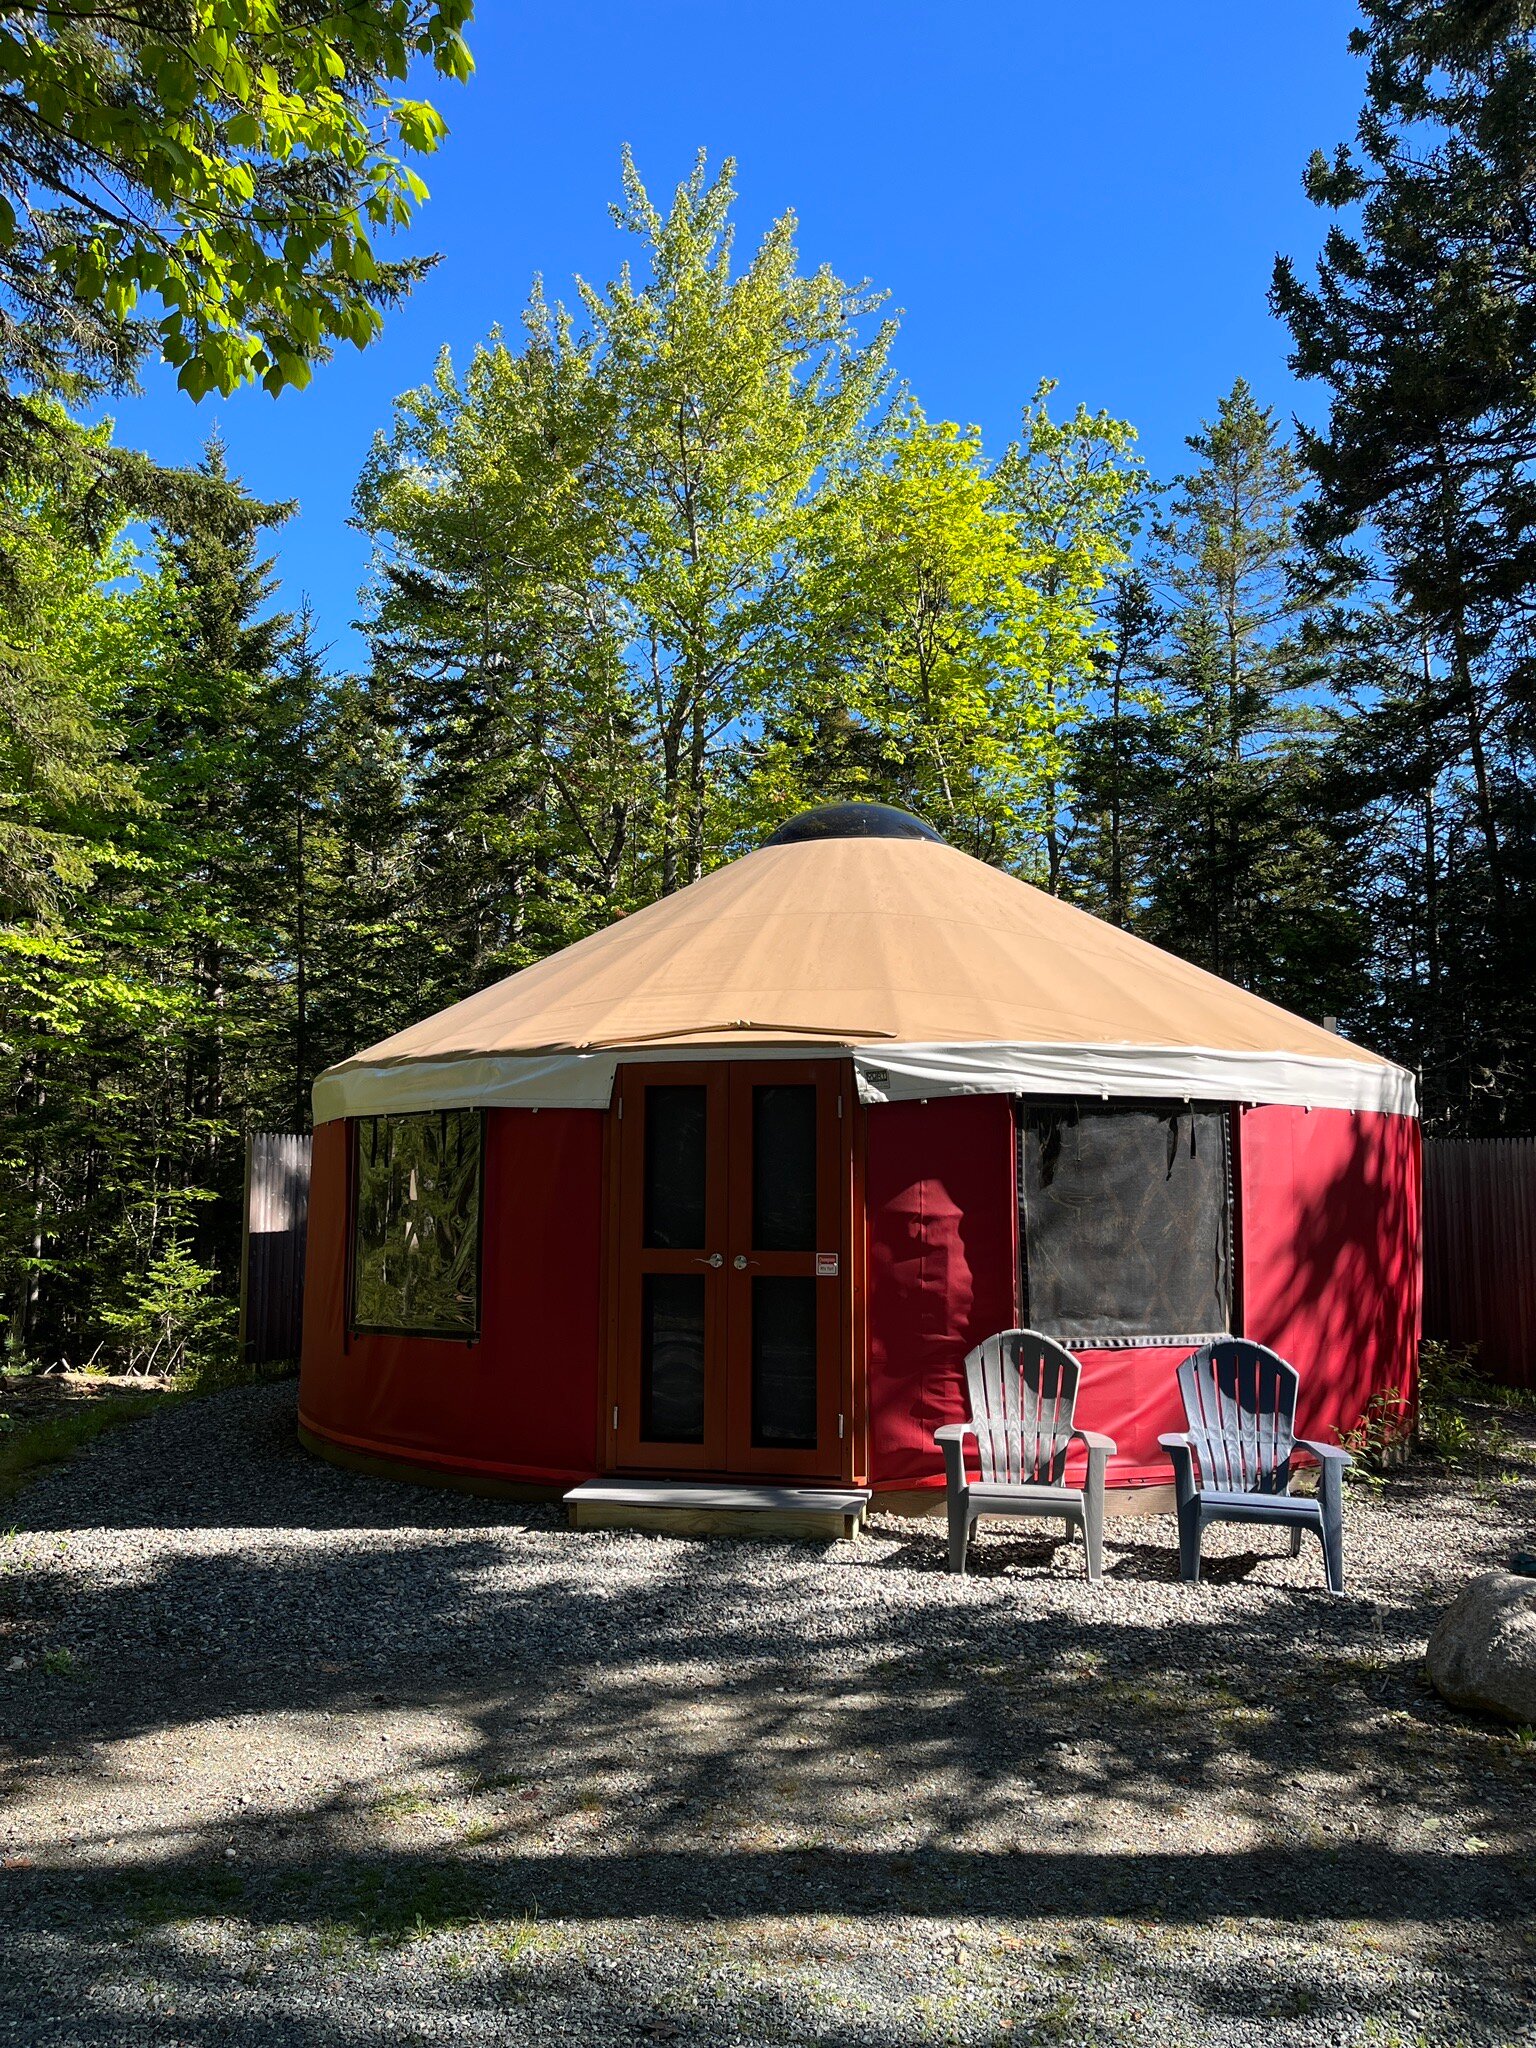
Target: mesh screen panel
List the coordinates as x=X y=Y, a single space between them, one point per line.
x=1125 y=1221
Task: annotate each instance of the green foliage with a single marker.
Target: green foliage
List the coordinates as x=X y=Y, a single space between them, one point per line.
x=1460 y=1412
x=1417 y=320
x=172 y=1322
x=233 y=162
x=949 y=629
x=1202 y=813
x=661 y=573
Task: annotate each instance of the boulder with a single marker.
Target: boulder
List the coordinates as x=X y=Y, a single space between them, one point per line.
x=1483 y=1650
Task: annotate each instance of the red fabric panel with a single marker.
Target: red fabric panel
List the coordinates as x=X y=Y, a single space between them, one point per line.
x=1133 y=1396
x=520 y=1402
x=942 y=1259
x=1331 y=1254
x=1329 y=1251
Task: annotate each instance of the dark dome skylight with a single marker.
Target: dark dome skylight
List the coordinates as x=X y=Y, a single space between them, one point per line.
x=853 y=821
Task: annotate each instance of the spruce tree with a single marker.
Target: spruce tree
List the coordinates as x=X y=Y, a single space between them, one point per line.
x=1420 y=320
x=1250 y=868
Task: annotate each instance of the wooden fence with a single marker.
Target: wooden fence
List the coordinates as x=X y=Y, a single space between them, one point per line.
x=1480 y=1250
x=272 y=1251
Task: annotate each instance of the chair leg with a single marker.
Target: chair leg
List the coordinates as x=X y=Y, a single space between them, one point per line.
x=1093 y=1538
x=959 y=1530
x=1333 y=1538
x=1296 y=1534
x=1189 y=1541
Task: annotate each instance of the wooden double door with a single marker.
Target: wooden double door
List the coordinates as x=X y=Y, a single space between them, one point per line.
x=732 y=1269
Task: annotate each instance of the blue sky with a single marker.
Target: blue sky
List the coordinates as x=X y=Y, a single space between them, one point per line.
x=1094 y=193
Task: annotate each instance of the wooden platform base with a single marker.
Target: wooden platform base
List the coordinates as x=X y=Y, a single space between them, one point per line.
x=679 y=1507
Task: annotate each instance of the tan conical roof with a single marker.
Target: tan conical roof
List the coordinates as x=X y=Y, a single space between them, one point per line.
x=943 y=973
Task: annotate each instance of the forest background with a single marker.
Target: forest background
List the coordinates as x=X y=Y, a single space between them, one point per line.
x=661 y=566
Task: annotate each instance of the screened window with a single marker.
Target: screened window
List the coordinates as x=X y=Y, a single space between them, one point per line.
x=1125 y=1221
x=416 y=1251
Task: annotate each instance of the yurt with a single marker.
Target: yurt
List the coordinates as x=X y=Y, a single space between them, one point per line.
x=725 y=1192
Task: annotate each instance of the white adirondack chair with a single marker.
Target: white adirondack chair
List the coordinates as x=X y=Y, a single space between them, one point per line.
x=1240 y=1407
x=1023 y=1391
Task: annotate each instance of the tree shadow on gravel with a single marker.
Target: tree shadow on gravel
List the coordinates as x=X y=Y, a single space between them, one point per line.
x=500 y=1735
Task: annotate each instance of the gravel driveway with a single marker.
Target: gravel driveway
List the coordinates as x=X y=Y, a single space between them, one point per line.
x=293 y=1756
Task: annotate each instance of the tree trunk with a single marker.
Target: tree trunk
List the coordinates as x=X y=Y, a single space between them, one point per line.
x=300 y=976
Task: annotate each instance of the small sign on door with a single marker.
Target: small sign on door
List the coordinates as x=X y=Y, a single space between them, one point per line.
x=826 y=1265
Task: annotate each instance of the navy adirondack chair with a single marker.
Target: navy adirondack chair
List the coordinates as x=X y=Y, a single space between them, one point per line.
x=1023 y=1392
x=1240 y=1407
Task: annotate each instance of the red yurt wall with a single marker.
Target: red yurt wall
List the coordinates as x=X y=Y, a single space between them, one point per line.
x=522 y=1400
x=943 y=1249
x=1328 y=1243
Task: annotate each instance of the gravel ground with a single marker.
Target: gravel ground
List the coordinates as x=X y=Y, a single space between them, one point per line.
x=290 y=1756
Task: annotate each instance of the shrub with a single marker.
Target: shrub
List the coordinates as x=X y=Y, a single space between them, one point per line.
x=172 y=1321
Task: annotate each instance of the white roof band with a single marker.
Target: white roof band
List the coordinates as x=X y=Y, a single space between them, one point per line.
x=885 y=1073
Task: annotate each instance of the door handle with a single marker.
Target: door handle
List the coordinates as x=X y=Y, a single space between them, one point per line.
x=714 y=1259
x=741 y=1262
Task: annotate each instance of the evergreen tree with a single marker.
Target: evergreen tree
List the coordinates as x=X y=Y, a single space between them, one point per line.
x=1254 y=865
x=1119 y=768
x=1421 y=320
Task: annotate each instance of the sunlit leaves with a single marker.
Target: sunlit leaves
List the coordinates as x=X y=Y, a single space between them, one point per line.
x=234 y=159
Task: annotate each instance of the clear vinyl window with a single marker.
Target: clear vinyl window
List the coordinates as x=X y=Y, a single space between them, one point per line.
x=1125 y=1221
x=416 y=1236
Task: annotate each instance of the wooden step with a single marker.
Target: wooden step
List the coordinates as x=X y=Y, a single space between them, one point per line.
x=682 y=1507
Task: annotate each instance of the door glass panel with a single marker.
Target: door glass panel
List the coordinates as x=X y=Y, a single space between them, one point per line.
x=676 y=1135
x=672 y=1358
x=784 y=1362
x=784 y=1168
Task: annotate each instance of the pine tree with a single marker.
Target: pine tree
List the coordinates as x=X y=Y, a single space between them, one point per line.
x=1120 y=765
x=1421 y=321
x=1251 y=871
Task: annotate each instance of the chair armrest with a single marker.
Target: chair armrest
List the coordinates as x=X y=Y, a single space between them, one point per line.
x=1180 y=1447
x=1324 y=1453
x=951 y=1441
x=1094 y=1440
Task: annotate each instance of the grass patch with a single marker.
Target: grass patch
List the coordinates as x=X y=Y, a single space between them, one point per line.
x=29 y=1447
x=31 y=1442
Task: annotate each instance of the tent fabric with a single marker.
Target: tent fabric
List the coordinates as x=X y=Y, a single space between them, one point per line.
x=942 y=1256
x=940 y=974
x=521 y=1401
x=1329 y=1249
x=1331 y=1256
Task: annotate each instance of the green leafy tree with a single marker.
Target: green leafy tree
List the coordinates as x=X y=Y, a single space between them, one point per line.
x=727 y=401
x=229 y=163
x=949 y=629
x=1074 y=487
x=492 y=637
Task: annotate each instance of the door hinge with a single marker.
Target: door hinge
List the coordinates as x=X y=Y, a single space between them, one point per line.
x=615 y=1414
x=839 y=1427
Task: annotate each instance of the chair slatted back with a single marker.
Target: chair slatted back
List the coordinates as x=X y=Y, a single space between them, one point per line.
x=1240 y=1408
x=1023 y=1390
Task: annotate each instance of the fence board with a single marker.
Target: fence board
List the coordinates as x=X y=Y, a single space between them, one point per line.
x=1480 y=1250
x=272 y=1251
